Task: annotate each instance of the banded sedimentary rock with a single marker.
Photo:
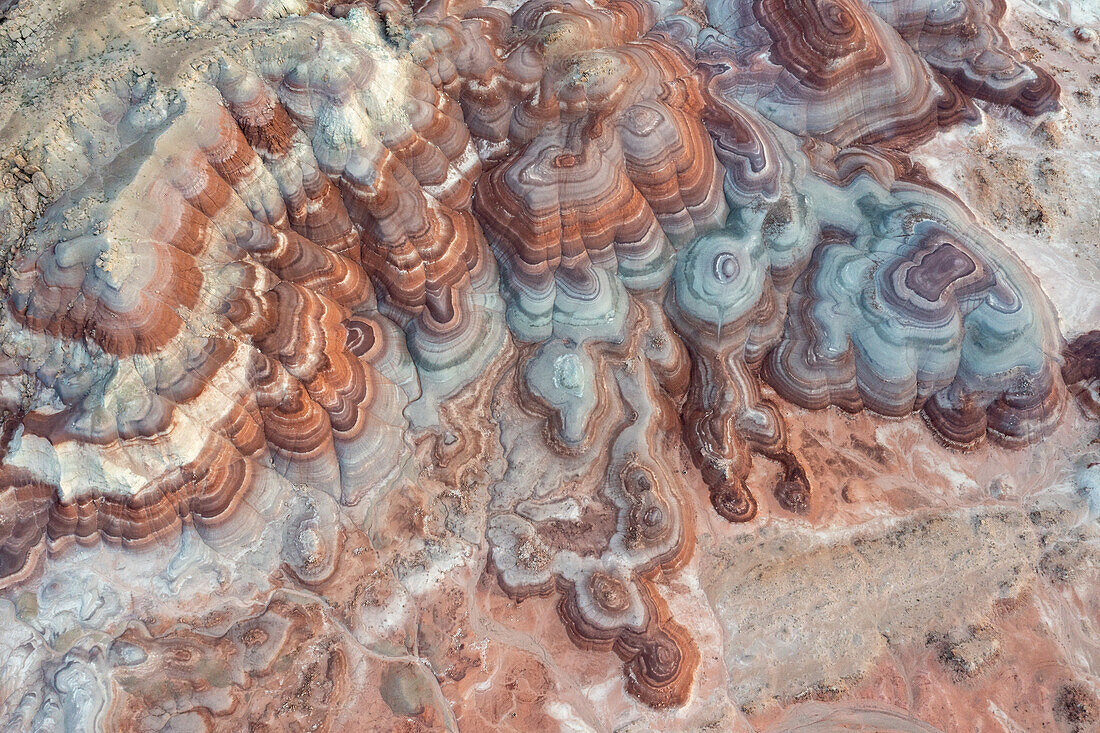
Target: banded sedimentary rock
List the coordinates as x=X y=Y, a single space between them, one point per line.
x=398 y=169
x=207 y=341
x=1081 y=368
x=831 y=69
x=728 y=300
x=964 y=41
x=724 y=304
x=918 y=309
x=590 y=121
x=361 y=298
x=603 y=519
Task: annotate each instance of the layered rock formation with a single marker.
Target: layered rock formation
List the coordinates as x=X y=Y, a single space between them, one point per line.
x=339 y=334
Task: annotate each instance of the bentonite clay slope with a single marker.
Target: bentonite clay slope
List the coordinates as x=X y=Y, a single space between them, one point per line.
x=386 y=366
